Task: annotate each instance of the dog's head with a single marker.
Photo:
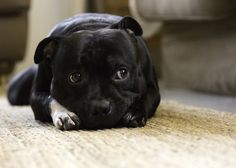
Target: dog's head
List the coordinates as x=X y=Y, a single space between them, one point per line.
x=102 y=75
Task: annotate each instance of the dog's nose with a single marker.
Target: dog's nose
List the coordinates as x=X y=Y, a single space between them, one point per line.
x=101 y=107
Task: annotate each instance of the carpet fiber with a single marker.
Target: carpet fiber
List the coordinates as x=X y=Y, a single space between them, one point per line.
x=178 y=136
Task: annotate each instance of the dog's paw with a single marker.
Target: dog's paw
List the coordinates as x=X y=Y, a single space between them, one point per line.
x=62 y=118
x=65 y=120
x=133 y=120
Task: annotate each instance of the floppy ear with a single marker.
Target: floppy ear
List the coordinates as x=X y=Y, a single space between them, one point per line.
x=152 y=99
x=153 y=95
x=130 y=24
x=46 y=48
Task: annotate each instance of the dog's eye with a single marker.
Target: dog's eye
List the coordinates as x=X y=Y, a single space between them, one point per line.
x=121 y=74
x=74 y=78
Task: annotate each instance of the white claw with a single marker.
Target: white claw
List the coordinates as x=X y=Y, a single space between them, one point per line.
x=59 y=123
x=70 y=121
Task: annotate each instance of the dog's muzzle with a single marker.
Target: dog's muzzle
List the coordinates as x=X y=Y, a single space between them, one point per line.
x=100 y=108
x=99 y=114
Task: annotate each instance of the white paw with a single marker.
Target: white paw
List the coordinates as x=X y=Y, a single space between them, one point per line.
x=62 y=118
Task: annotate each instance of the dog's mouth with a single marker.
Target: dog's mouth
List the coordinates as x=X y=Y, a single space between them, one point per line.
x=95 y=125
x=110 y=119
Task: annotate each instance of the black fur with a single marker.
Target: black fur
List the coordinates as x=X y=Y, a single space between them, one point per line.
x=96 y=45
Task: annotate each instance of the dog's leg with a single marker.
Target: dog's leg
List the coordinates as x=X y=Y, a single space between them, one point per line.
x=47 y=109
x=62 y=118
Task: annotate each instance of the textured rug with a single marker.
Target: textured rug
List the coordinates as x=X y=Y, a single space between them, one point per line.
x=178 y=136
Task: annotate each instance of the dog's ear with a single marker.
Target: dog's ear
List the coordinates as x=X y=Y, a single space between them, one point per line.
x=153 y=95
x=152 y=99
x=129 y=24
x=46 y=48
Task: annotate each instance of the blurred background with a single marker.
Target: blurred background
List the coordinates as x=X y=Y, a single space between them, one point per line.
x=192 y=42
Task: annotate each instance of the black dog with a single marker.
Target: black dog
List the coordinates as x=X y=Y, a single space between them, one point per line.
x=94 y=71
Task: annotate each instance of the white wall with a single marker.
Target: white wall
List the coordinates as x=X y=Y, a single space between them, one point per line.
x=43 y=15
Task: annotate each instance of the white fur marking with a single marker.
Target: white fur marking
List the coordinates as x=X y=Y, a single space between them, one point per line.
x=61 y=117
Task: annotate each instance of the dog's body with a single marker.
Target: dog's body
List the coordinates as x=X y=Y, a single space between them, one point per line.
x=94 y=71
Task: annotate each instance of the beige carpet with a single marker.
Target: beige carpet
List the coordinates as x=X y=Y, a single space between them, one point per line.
x=178 y=136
